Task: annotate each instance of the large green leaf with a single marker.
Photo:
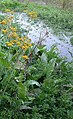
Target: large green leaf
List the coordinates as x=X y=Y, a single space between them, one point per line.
x=2 y=54
x=22 y=91
x=44 y=58
x=50 y=67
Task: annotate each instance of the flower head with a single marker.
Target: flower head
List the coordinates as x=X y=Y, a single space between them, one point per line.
x=4 y=31
x=9 y=44
x=3 y=22
x=13 y=35
x=13 y=28
x=7 y=10
x=25 y=57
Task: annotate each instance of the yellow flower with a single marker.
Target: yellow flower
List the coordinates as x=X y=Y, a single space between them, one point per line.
x=33 y=14
x=11 y=12
x=29 y=45
x=3 y=22
x=18 y=43
x=25 y=43
x=7 y=10
x=10 y=18
x=13 y=28
x=9 y=44
x=25 y=57
x=26 y=47
x=29 y=40
x=4 y=31
x=25 y=11
x=26 y=37
x=23 y=47
x=14 y=41
x=13 y=35
x=19 y=38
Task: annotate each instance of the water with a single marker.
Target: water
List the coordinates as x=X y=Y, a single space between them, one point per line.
x=38 y=30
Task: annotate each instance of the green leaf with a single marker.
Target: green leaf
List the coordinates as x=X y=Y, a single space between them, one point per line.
x=50 y=67
x=41 y=47
x=6 y=98
x=4 y=63
x=31 y=98
x=32 y=82
x=2 y=54
x=9 y=57
x=22 y=91
x=32 y=68
x=24 y=107
x=44 y=58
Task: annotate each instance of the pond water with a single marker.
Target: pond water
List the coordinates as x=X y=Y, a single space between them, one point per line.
x=38 y=30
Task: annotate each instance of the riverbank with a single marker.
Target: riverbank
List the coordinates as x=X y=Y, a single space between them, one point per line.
x=56 y=18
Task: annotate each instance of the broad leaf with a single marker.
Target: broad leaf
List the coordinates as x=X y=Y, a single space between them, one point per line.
x=44 y=58
x=50 y=67
x=24 y=107
x=32 y=82
x=22 y=91
x=4 y=63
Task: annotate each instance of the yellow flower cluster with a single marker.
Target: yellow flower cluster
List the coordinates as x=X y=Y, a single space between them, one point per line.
x=25 y=11
x=13 y=28
x=13 y=35
x=10 y=11
x=9 y=44
x=8 y=19
x=7 y=10
x=22 y=43
x=33 y=14
x=13 y=38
